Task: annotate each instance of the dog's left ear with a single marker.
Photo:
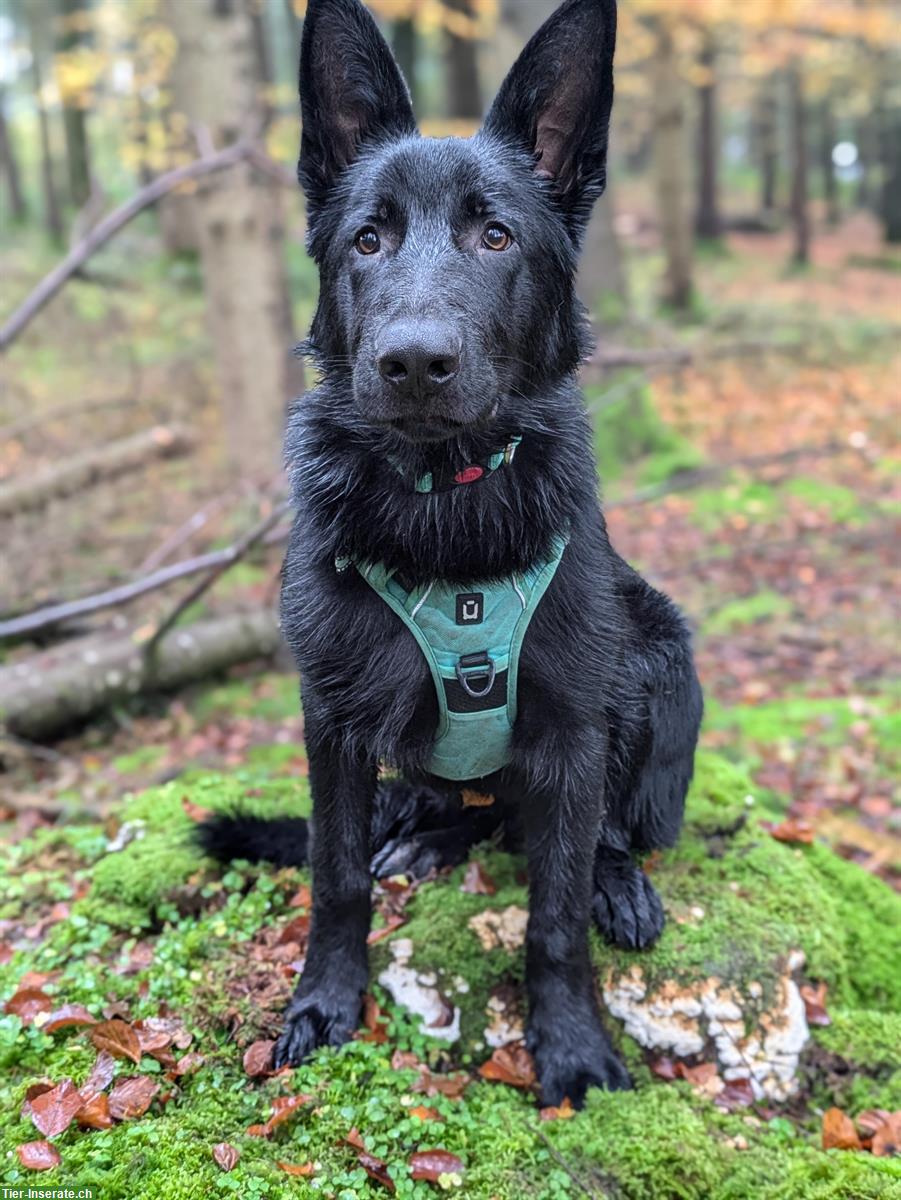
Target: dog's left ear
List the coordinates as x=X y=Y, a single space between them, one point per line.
x=556 y=103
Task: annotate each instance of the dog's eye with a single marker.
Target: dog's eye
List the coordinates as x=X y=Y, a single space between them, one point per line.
x=367 y=241
x=496 y=237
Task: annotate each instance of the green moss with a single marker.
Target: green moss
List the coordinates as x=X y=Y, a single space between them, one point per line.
x=747 y=611
x=273 y=697
x=139 y=760
x=628 y=429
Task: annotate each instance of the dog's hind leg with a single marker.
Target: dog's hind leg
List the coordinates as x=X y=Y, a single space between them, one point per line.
x=654 y=763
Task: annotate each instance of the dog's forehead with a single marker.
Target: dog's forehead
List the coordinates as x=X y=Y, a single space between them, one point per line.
x=433 y=175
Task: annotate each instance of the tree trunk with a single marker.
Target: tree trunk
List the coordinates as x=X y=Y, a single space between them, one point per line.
x=53 y=221
x=828 y=138
x=71 y=12
x=707 y=218
x=43 y=694
x=404 y=42
x=890 y=205
x=799 y=194
x=240 y=232
x=464 y=93
x=602 y=276
x=9 y=168
x=867 y=136
x=767 y=131
x=670 y=162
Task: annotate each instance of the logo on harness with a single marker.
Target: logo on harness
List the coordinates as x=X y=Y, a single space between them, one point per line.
x=471 y=608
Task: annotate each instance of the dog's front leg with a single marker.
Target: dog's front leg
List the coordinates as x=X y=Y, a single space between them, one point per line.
x=325 y=1009
x=571 y=1049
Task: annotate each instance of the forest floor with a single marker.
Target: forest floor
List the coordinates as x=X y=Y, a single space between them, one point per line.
x=777 y=541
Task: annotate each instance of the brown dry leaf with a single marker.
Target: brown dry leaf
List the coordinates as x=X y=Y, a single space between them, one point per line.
x=510 y=1064
x=54 y=1111
x=373 y=1020
x=101 y=1075
x=194 y=812
x=838 y=1131
x=284 y=1106
x=376 y=1169
x=738 y=1093
x=226 y=1155
x=477 y=881
x=118 y=1038
x=95 y=1113
x=297 y=1168
x=452 y=1086
x=258 y=1058
x=297 y=930
x=561 y=1112
x=421 y=1113
x=258 y=1130
x=699 y=1076
x=354 y=1140
x=394 y=921
x=665 y=1068
x=69 y=1014
x=27 y=1003
x=792 y=830
x=131 y=1097
x=189 y=1062
x=871 y=1119
x=302 y=898
x=432 y=1164
x=405 y=1060
x=473 y=799
x=815 y=1004
x=38 y=1156
x=445 y=1016
x=887 y=1138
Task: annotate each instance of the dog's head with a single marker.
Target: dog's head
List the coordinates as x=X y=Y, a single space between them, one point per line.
x=447 y=265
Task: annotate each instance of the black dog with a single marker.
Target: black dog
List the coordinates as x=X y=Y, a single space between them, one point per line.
x=447 y=329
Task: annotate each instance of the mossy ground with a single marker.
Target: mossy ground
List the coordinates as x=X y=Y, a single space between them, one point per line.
x=760 y=898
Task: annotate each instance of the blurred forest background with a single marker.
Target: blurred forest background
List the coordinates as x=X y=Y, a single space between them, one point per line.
x=744 y=275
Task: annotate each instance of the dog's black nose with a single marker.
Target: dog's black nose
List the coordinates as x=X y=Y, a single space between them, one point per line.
x=418 y=356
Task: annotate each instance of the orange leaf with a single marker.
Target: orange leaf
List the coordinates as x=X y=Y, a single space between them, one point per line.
x=792 y=830
x=132 y=1097
x=54 y=1111
x=38 y=1156
x=421 y=1113
x=887 y=1138
x=298 y=1168
x=473 y=799
x=95 y=1113
x=118 y=1038
x=194 y=812
x=511 y=1064
x=226 y=1155
x=393 y=922
x=838 y=1131
x=815 y=1004
x=561 y=1112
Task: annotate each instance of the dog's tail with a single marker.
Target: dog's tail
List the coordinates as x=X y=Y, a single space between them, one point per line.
x=282 y=841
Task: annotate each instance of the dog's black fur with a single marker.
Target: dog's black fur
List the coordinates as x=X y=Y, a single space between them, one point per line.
x=609 y=703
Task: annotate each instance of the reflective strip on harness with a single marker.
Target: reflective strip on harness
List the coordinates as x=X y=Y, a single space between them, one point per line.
x=471 y=639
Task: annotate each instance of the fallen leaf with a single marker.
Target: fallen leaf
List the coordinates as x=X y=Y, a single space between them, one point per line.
x=118 y=1038
x=302 y=898
x=560 y=1112
x=131 y=1097
x=194 y=812
x=738 y=1093
x=792 y=830
x=284 y=1106
x=297 y=1168
x=27 y=1003
x=376 y=1169
x=815 y=1004
x=187 y=1063
x=838 y=1131
x=258 y=1130
x=871 y=1119
x=473 y=799
x=37 y=1089
x=452 y=1086
x=445 y=1016
x=373 y=1020
x=665 y=1068
x=354 y=1140
x=404 y=1060
x=101 y=1075
x=69 y=1014
x=258 y=1058
x=95 y=1113
x=297 y=930
x=421 y=1113
x=477 y=881
x=394 y=921
x=38 y=1156
x=887 y=1138
x=226 y=1155
x=54 y=1111
x=698 y=1076
x=510 y=1064
x=430 y=1165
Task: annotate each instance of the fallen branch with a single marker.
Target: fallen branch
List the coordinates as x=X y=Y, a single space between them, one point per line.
x=49 y=691
x=67 y=610
x=242 y=150
x=82 y=470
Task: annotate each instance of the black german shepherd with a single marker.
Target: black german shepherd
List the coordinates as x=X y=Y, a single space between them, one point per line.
x=447 y=328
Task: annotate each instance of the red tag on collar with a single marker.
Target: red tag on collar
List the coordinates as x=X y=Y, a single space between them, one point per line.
x=469 y=475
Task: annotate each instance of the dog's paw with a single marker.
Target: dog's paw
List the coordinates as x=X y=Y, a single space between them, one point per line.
x=627 y=910
x=419 y=854
x=319 y=1019
x=568 y=1066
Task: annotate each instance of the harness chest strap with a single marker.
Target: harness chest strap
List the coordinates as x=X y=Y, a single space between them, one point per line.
x=471 y=641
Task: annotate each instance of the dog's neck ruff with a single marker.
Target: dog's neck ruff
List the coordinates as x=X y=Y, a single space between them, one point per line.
x=475 y=472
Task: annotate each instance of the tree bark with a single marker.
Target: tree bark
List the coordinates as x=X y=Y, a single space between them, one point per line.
x=240 y=231
x=9 y=167
x=670 y=163
x=890 y=195
x=799 y=195
x=72 y=682
x=53 y=221
x=91 y=466
x=405 y=44
x=707 y=217
x=461 y=59
x=71 y=12
x=767 y=131
x=602 y=276
x=828 y=138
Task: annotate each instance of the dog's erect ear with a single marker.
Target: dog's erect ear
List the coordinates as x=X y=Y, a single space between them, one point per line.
x=351 y=91
x=556 y=102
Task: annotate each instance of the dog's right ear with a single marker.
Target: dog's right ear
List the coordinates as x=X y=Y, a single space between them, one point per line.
x=351 y=92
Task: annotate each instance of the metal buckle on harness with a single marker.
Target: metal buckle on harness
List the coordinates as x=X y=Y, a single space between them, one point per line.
x=479 y=666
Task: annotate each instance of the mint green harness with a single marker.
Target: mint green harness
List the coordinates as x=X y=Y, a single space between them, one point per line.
x=471 y=640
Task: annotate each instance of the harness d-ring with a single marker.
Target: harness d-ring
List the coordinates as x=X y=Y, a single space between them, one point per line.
x=489 y=670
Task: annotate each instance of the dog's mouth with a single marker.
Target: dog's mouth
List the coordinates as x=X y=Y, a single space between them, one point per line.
x=439 y=428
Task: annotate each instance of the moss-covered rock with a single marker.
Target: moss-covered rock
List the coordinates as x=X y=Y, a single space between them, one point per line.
x=749 y=919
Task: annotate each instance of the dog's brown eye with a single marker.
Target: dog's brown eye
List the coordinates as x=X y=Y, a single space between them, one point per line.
x=367 y=241
x=496 y=237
